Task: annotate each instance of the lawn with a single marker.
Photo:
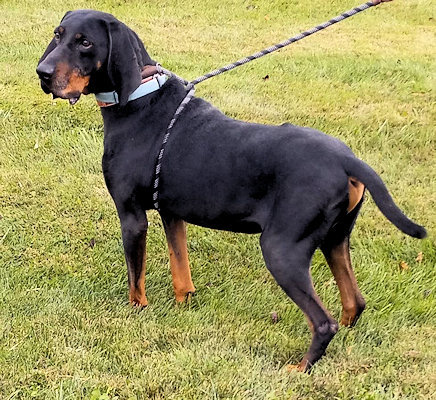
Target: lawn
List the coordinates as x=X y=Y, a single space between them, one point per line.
x=66 y=329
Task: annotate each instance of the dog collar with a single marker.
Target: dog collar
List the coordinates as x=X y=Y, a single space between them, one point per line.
x=147 y=86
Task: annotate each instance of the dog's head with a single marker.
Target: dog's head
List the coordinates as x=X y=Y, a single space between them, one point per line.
x=92 y=52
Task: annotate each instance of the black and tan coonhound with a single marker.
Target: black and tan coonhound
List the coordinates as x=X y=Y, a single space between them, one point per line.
x=298 y=187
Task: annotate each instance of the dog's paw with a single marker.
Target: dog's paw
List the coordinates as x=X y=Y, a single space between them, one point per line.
x=185 y=297
x=138 y=303
x=304 y=366
x=294 y=367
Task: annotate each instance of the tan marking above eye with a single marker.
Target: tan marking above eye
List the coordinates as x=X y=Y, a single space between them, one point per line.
x=78 y=35
x=61 y=29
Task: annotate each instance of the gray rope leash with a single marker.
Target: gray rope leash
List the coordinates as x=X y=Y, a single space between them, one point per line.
x=162 y=70
x=191 y=85
x=278 y=46
x=286 y=42
x=179 y=110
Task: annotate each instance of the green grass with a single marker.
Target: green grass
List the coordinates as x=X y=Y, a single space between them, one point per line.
x=66 y=330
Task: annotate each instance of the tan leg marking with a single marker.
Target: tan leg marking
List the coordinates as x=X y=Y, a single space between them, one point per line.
x=137 y=297
x=352 y=300
x=175 y=231
x=355 y=192
x=302 y=367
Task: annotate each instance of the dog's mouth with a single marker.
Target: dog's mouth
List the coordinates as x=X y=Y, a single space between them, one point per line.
x=74 y=100
x=72 y=97
x=68 y=86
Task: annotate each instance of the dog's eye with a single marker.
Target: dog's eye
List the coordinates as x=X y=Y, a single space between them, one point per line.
x=57 y=36
x=86 y=43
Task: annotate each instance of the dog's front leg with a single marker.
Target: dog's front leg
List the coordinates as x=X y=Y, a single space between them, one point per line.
x=134 y=231
x=175 y=231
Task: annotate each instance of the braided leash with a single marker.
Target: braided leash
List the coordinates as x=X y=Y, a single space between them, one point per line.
x=286 y=42
x=182 y=105
x=191 y=85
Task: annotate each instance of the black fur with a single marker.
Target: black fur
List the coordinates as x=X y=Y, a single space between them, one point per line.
x=286 y=182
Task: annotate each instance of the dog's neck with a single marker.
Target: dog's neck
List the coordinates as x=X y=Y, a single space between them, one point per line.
x=142 y=124
x=162 y=103
x=99 y=82
x=151 y=80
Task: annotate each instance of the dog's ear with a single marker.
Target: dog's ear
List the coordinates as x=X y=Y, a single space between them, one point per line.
x=126 y=57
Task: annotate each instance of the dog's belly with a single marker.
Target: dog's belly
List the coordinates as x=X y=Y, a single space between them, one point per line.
x=225 y=223
x=218 y=209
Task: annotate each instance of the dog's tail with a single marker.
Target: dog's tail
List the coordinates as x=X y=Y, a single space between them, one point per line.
x=365 y=174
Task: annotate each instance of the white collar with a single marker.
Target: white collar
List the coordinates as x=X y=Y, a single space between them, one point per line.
x=147 y=86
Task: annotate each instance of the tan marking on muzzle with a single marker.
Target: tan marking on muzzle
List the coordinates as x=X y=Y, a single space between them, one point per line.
x=355 y=192
x=76 y=83
x=72 y=79
x=62 y=70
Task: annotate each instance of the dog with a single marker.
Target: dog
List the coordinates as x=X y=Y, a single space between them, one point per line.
x=299 y=188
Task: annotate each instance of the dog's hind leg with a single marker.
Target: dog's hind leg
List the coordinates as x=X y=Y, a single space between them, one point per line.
x=336 y=249
x=175 y=230
x=289 y=263
x=353 y=303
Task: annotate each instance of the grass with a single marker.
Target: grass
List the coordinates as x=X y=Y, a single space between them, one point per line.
x=66 y=330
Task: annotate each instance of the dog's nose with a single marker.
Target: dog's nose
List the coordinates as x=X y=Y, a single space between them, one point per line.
x=45 y=71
